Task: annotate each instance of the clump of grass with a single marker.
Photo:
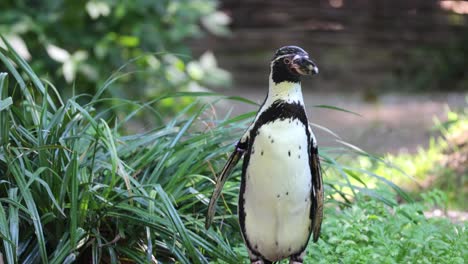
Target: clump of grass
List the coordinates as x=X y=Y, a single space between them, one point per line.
x=73 y=189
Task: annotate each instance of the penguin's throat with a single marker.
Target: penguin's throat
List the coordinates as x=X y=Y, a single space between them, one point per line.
x=286 y=91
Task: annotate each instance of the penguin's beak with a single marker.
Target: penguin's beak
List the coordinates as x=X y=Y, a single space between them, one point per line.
x=303 y=65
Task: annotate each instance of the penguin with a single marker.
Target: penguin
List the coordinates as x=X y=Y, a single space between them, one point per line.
x=281 y=193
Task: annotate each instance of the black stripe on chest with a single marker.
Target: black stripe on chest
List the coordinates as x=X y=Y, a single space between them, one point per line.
x=279 y=110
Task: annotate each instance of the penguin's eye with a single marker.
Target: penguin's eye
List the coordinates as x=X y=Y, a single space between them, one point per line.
x=287 y=61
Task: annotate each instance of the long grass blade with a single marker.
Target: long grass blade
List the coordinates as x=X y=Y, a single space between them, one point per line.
x=337 y=109
x=8 y=243
x=32 y=209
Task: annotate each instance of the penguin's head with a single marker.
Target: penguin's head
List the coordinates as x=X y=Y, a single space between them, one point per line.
x=290 y=63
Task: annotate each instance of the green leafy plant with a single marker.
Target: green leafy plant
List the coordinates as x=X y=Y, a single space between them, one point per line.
x=82 y=42
x=370 y=232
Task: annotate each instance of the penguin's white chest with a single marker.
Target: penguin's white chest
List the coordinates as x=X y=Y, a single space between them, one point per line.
x=277 y=190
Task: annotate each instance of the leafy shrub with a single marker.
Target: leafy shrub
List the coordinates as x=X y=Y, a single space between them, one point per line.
x=371 y=232
x=84 y=41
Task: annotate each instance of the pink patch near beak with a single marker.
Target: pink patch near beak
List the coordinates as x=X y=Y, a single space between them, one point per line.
x=295 y=67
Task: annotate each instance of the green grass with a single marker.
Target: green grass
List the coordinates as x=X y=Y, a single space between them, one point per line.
x=75 y=187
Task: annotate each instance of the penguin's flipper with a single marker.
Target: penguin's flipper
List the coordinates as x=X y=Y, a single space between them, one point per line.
x=230 y=164
x=317 y=192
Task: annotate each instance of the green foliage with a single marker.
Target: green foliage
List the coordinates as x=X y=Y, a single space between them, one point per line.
x=441 y=165
x=74 y=189
x=412 y=168
x=452 y=169
x=84 y=41
x=371 y=232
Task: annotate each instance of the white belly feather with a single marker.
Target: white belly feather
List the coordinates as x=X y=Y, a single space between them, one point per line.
x=277 y=190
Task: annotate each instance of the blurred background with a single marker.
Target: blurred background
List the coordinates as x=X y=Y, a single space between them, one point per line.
x=151 y=101
x=399 y=64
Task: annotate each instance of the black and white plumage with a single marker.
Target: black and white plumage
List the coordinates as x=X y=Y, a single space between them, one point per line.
x=281 y=194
